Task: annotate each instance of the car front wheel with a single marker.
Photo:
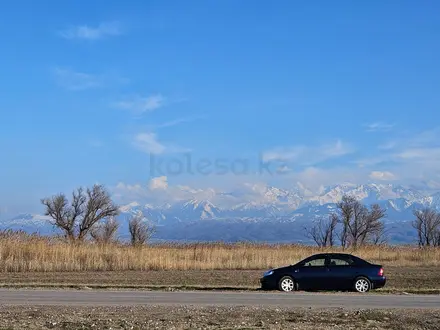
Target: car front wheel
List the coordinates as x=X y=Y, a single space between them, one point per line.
x=362 y=284
x=286 y=284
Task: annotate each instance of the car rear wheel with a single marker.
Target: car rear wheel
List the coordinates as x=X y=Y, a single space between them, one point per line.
x=286 y=284
x=362 y=284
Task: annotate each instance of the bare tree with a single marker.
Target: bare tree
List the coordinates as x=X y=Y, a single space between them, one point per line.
x=86 y=209
x=427 y=224
x=323 y=231
x=359 y=224
x=346 y=210
x=105 y=231
x=379 y=237
x=140 y=231
x=372 y=228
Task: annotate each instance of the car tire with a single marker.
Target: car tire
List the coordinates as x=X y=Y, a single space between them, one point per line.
x=362 y=284
x=286 y=284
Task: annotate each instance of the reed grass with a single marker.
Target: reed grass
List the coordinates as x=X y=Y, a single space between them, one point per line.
x=20 y=252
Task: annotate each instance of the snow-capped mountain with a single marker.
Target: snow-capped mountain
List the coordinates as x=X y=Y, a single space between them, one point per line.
x=29 y=219
x=200 y=209
x=258 y=211
x=29 y=222
x=434 y=201
x=369 y=193
x=254 y=209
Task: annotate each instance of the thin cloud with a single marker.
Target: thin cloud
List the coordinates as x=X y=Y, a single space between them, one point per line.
x=308 y=155
x=365 y=162
x=76 y=81
x=423 y=154
x=428 y=137
x=149 y=143
x=379 y=127
x=284 y=153
x=178 y=121
x=316 y=178
x=423 y=147
x=159 y=191
x=174 y=122
x=139 y=104
x=387 y=145
x=105 y=29
x=412 y=157
x=382 y=176
x=336 y=149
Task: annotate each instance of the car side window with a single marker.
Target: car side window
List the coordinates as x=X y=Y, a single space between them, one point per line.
x=315 y=262
x=338 y=261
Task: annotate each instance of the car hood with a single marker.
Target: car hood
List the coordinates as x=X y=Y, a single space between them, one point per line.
x=285 y=268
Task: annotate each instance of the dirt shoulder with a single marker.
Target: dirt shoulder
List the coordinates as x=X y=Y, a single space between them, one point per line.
x=409 y=279
x=212 y=318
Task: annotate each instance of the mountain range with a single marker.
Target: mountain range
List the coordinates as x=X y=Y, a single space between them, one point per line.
x=258 y=212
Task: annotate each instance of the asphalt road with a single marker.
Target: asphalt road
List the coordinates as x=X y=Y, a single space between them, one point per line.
x=127 y=298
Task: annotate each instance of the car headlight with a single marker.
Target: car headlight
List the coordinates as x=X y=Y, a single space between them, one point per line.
x=268 y=273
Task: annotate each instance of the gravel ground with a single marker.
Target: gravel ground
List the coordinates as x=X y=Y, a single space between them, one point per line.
x=212 y=318
x=399 y=278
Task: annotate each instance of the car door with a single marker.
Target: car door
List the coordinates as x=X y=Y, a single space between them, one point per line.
x=340 y=271
x=312 y=274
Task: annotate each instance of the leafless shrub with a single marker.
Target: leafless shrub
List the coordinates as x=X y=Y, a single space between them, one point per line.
x=105 y=232
x=140 y=230
x=323 y=231
x=427 y=224
x=84 y=212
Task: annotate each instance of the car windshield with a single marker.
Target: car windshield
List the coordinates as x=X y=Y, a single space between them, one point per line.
x=313 y=260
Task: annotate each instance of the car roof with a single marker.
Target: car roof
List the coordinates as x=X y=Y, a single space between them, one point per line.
x=335 y=254
x=332 y=254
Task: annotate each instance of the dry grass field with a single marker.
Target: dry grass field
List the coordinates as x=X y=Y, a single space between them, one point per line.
x=21 y=253
x=34 y=260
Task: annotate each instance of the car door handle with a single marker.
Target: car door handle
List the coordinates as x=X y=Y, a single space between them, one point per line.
x=296 y=270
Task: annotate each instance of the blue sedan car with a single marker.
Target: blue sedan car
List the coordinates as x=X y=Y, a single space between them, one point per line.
x=326 y=271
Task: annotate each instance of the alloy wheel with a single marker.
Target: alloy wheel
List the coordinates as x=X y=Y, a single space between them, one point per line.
x=287 y=285
x=362 y=285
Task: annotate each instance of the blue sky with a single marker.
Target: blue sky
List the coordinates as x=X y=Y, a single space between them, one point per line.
x=331 y=91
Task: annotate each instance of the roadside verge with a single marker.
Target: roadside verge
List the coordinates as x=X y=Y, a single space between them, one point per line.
x=182 y=288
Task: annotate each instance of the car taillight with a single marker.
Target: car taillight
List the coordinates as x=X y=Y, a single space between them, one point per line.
x=381 y=272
